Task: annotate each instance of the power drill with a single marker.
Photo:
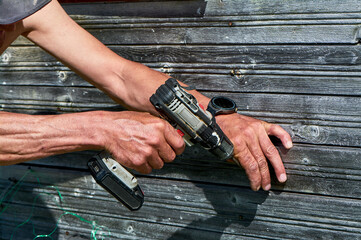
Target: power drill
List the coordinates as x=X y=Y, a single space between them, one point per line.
x=193 y=123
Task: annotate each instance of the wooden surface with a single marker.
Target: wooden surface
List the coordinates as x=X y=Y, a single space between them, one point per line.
x=294 y=63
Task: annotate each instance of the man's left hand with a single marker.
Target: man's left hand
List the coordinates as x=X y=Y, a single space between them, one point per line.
x=252 y=147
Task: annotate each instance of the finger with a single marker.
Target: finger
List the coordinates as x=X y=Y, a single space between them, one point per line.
x=174 y=139
x=144 y=169
x=152 y=158
x=166 y=153
x=273 y=156
x=280 y=133
x=133 y=162
x=156 y=162
x=139 y=166
x=262 y=165
x=250 y=165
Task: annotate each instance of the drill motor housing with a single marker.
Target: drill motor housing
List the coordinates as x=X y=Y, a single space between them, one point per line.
x=197 y=125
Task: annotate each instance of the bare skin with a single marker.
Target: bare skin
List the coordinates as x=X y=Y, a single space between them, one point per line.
x=137 y=140
x=123 y=134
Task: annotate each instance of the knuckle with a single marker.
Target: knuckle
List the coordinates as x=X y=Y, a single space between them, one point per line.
x=170 y=157
x=155 y=140
x=241 y=145
x=256 y=124
x=262 y=163
x=160 y=124
x=273 y=127
x=180 y=144
x=252 y=166
x=147 y=152
x=248 y=132
x=271 y=150
x=138 y=162
x=237 y=141
x=159 y=165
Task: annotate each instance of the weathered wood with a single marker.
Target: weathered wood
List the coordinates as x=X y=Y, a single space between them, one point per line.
x=311 y=169
x=251 y=76
x=194 y=210
x=235 y=7
x=193 y=8
x=271 y=54
x=216 y=8
x=302 y=104
x=295 y=63
x=319 y=34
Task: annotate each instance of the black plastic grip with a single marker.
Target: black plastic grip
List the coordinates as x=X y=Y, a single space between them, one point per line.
x=131 y=198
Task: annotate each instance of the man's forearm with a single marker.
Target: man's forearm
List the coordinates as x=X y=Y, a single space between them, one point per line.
x=25 y=137
x=141 y=82
x=128 y=83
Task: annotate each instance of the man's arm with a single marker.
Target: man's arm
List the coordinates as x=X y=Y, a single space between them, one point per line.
x=131 y=84
x=137 y=140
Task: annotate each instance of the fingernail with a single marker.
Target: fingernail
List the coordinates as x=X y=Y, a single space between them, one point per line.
x=289 y=145
x=282 y=178
x=254 y=188
x=268 y=187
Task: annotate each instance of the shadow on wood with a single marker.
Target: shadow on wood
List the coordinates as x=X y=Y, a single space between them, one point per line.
x=230 y=206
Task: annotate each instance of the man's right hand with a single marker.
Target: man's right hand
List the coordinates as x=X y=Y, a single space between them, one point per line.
x=136 y=140
x=139 y=140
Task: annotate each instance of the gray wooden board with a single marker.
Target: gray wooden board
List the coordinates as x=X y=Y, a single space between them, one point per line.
x=295 y=63
x=321 y=34
x=212 y=8
x=185 y=210
x=298 y=103
x=218 y=8
x=222 y=79
x=344 y=55
x=310 y=169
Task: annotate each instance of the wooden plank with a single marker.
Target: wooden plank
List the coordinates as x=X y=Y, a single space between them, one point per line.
x=264 y=54
x=213 y=8
x=275 y=81
x=313 y=34
x=193 y=8
x=90 y=21
x=252 y=81
x=219 y=68
x=191 y=209
x=235 y=7
x=305 y=105
x=246 y=77
x=325 y=170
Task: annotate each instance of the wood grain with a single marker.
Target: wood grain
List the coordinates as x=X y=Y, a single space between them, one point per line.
x=294 y=63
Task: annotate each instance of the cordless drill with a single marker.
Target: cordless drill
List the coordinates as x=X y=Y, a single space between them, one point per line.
x=193 y=123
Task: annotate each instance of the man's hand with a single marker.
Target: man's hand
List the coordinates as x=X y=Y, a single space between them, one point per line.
x=139 y=140
x=252 y=147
